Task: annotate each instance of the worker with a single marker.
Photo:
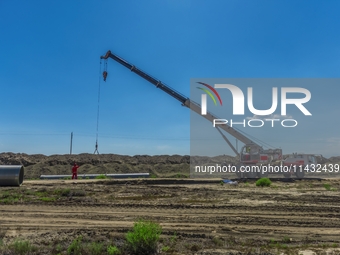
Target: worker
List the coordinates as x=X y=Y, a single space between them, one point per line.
x=74 y=171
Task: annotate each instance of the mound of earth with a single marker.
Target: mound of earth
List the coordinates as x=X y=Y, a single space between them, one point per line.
x=160 y=165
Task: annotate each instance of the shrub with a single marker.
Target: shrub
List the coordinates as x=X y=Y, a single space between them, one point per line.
x=113 y=250
x=263 y=182
x=21 y=247
x=143 y=239
x=75 y=247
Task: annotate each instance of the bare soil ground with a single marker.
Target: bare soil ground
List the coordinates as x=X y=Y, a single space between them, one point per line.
x=302 y=217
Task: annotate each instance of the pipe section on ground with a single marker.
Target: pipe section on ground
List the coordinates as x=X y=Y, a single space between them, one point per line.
x=12 y=175
x=93 y=176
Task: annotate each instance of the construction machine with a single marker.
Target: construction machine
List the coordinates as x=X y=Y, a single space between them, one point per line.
x=251 y=153
x=299 y=163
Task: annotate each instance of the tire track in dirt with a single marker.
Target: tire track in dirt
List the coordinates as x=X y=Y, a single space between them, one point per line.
x=200 y=220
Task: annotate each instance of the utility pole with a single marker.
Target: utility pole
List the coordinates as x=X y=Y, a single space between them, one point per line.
x=71 y=143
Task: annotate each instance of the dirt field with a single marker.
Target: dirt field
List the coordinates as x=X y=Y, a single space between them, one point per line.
x=301 y=217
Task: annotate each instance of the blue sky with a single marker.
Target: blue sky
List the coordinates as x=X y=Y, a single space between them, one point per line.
x=49 y=69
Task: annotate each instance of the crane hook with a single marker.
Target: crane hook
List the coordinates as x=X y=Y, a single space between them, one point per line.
x=104 y=75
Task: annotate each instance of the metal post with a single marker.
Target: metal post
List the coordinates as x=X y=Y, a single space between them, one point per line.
x=71 y=143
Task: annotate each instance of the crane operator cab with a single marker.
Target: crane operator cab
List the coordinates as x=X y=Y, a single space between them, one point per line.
x=250 y=153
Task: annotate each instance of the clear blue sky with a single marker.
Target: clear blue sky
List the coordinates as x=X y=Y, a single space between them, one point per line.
x=49 y=68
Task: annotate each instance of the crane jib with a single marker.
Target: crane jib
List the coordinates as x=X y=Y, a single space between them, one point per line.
x=183 y=99
x=149 y=78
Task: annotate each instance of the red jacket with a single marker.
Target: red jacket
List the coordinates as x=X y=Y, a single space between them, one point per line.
x=75 y=168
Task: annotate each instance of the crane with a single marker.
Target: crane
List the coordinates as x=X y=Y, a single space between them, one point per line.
x=251 y=153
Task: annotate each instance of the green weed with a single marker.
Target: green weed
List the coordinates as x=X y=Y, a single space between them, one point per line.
x=113 y=250
x=327 y=186
x=165 y=248
x=48 y=199
x=101 y=176
x=75 y=247
x=264 y=182
x=144 y=237
x=96 y=248
x=21 y=247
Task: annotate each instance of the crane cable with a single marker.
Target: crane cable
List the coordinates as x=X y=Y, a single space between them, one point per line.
x=104 y=75
x=96 y=146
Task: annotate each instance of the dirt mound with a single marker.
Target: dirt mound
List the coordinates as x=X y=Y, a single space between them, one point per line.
x=160 y=165
x=38 y=164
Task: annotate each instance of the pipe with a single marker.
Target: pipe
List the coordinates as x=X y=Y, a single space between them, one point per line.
x=93 y=176
x=12 y=175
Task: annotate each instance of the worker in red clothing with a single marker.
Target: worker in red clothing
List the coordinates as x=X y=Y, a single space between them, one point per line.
x=74 y=171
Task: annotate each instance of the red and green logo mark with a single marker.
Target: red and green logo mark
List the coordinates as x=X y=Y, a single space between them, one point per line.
x=209 y=93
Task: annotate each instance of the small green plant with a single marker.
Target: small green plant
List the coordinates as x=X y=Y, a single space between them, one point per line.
x=263 y=182
x=75 y=247
x=58 y=248
x=153 y=176
x=286 y=239
x=21 y=247
x=173 y=238
x=165 y=248
x=10 y=197
x=66 y=192
x=101 y=176
x=327 y=186
x=48 y=199
x=144 y=237
x=217 y=241
x=87 y=178
x=67 y=178
x=221 y=183
x=96 y=248
x=113 y=250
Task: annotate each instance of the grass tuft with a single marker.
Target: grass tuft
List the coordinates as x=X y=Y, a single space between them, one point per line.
x=264 y=182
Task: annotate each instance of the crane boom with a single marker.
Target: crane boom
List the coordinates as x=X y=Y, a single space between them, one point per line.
x=183 y=99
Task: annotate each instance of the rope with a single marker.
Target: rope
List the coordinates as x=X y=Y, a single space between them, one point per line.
x=96 y=146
